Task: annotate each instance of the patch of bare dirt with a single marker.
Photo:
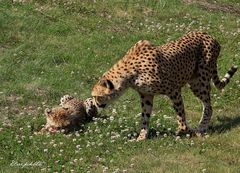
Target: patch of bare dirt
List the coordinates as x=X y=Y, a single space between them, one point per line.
x=215 y=6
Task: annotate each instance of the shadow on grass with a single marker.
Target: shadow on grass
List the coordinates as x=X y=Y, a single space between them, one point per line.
x=153 y=133
x=81 y=127
x=69 y=128
x=226 y=124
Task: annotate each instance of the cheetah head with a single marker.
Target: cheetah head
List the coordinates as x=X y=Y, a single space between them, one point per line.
x=102 y=92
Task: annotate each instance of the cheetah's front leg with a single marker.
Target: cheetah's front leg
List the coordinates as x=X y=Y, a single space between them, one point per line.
x=147 y=103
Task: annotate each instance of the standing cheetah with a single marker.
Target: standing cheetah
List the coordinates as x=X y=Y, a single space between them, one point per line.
x=165 y=69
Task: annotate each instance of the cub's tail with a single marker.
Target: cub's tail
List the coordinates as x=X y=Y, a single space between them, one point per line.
x=220 y=84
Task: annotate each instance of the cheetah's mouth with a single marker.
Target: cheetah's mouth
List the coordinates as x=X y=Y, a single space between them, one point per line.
x=98 y=104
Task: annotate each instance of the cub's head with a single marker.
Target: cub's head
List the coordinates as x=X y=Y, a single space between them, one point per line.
x=103 y=91
x=63 y=117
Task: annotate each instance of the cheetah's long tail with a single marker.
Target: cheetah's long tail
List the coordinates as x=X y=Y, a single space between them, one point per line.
x=220 y=84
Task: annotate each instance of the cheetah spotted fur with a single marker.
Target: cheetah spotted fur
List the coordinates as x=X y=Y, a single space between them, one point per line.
x=152 y=70
x=70 y=114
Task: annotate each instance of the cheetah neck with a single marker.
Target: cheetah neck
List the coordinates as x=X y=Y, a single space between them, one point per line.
x=120 y=74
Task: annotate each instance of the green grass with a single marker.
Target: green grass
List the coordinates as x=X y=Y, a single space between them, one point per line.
x=52 y=48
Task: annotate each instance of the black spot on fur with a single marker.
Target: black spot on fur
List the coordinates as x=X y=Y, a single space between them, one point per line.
x=148 y=103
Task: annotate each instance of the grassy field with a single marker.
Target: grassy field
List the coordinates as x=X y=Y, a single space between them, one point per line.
x=49 y=48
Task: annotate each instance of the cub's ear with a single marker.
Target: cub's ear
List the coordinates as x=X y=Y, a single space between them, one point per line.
x=47 y=111
x=107 y=83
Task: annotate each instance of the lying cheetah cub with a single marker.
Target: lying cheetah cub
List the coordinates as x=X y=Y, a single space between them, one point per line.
x=71 y=114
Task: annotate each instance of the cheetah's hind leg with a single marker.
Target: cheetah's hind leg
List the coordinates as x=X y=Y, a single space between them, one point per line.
x=201 y=89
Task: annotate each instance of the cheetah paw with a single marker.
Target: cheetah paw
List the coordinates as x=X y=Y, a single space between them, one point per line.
x=199 y=132
x=182 y=132
x=143 y=135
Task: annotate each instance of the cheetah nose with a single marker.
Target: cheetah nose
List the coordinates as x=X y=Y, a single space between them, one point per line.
x=48 y=111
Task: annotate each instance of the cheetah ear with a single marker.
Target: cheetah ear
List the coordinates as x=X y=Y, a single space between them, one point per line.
x=107 y=83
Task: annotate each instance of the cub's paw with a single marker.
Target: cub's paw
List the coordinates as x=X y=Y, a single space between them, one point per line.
x=46 y=130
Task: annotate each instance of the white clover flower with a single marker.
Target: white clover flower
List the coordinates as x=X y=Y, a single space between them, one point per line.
x=166 y=117
x=178 y=138
x=56 y=161
x=111 y=118
x=100 y=144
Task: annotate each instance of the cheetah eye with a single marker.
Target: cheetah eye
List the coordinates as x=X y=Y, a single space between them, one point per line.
x=110 y=85
x=65 y=108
